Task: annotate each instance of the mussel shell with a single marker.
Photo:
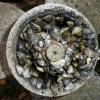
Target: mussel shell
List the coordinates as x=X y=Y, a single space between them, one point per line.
x=37 y=48
x=82 y=62
x=28 y=63
x=69 y=16
x=79 y=56
x=33 y=81
x=64 y=42
x=25 y=35
x=58 y=64
x=47 y=43
x=70 y=24
x=82 y=47
x=90 y=53
x=89 y=60
x=20 y=55
x=65 y=75
x=60 y=78
x=26 y=73
x=27 y=45
x=40 y=69
x=39 y=84
x=77 y=31
x=26 y=28
x=47 y=91
x=87 y=66
x=86 y=31
x=55 y=29
x=59 y=70
x=21 y=62
x=48 y=18
x=55 y=37
x=33 y=38
x=41 y=62
x=91 y=36
x=75 y=64
x=78 y=21
x=52 y=68
x=39 y=56
x=38 y=21
x=21 y=36
x=35 y=73
x=69 y=86
x=60 y=86
x=36 y=27
x=84 y=36
x=63 y=30
x=86 y=74
x=74 y=47
x=76 y=74
x=45 y=36
x=70 y=69
x=20 y=45
x=20 y=69
x=67 y=60
x=65 y=81
x=47 y=27
x=54 y=88
x=69 y=51
x=59 y=20
x=29 y=31
x=41 y=43
x=35 y=55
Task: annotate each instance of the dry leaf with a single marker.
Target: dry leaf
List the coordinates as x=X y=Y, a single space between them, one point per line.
x=28 y=97
x=22 y=96
x=2 y=82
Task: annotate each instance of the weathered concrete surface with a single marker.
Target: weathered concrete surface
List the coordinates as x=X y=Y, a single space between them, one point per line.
x=8 y=15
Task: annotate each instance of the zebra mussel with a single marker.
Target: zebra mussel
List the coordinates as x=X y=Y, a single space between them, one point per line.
x=52 y=50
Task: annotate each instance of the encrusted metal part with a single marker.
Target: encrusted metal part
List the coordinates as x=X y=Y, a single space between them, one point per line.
x=55 y=51
x=48 y=41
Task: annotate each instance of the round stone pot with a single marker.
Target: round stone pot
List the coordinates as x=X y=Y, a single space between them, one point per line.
x=13 y=39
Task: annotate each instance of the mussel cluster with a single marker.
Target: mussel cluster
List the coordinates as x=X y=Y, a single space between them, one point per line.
x=55 y=52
